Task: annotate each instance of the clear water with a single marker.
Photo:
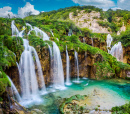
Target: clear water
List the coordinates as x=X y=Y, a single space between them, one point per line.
x=119 y=90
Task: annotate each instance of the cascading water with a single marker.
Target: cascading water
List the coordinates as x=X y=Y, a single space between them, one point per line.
x=40 y=74
x=58 y=74
x=76 y=66
x=85 y=51
x=27 y=24
x=83 y=40
x=70 y=32
x=15 y=31
x=67 y=68
x=117 y=51
x=14 y=91
x=52 y=33
x=109 y=40
x=92 y=42
x=28 y=78
x=50 y=52
x=39 y=32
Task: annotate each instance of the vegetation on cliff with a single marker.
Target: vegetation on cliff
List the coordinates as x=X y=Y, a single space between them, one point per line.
x=58 y=22
x=106 y=67
x=11 y=49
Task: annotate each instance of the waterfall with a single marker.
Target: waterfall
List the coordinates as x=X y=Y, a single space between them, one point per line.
x=85 y=51
x=14 y=91
x=117 y=51
x=28 y=80
x=40 y=74
x=58 y=74
x=76 y=65
x=92 y=42
x=50 y=52
x=67 y=68
x=109 y=40
x=15 y=31
x=83 y=40
x=21 y=33
x=56 y=65
x=52 y=33
x=70 y=32
x=27 y=24
x=39 y=32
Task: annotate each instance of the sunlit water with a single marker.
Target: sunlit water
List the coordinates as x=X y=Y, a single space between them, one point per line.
x=119 y=90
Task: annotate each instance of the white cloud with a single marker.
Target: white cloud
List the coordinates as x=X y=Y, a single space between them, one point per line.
x=115 y=8
x=105 y=4
x=124 y=4
x=121 y=0
x=27 y=10
x=6 y=12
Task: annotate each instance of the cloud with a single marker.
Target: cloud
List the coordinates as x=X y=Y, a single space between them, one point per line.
x=6 y=12
x=27 y=10
x=115 y=8
x=124 y=4
x=105 y=4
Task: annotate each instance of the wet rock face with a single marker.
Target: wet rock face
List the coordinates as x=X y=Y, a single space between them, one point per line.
x=96 y=42
x=86 y=63
x=126 y=53
x=13 y=73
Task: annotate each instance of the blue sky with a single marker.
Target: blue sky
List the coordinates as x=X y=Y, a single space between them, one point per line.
x=11 y=6
x=41 y=5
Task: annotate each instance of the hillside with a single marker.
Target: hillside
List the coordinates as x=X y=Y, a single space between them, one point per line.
x=65 y=50
x=95 y=19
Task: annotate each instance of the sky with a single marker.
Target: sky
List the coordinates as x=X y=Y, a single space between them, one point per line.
x=22 y=7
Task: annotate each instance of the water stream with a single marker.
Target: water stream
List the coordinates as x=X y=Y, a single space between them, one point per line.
x=117 y=51
x=15 y=92
x=58 y=74
x=67 y=68
x=76 y=66
x=92 y=42
x=28 y=78
x=109 y=40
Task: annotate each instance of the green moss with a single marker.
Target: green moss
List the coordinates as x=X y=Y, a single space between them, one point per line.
x=4 y=82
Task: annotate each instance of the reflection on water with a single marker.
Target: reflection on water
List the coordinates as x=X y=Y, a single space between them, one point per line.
x=119 y=89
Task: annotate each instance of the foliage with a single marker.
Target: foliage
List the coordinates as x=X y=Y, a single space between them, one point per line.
x=35 y=41
x=124 y=109
x=15 y=44
x=69 y=101
x=63 y=13
x=114 y=27
x=124 y=38
x=5 y=26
